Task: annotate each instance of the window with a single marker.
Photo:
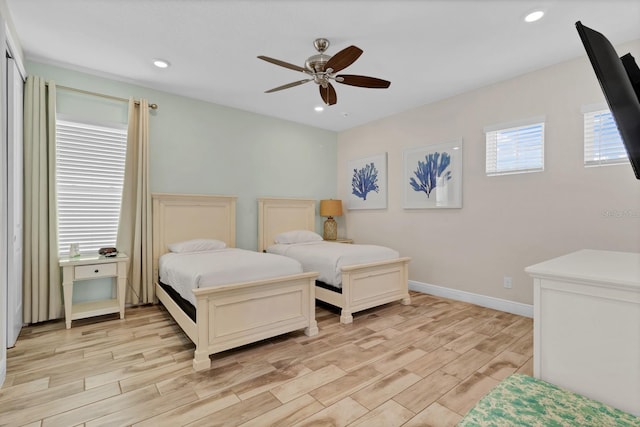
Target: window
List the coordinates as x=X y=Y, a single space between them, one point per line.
x=516 y=148
x=602 y=142
x=90 y=173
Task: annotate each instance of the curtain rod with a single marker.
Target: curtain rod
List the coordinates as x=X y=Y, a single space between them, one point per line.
x=117 y=98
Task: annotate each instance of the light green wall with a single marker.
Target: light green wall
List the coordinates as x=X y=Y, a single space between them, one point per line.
x=203 y=148
x=198 y=147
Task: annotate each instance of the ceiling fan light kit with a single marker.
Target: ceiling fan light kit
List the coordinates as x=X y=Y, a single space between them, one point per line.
x=322 y=69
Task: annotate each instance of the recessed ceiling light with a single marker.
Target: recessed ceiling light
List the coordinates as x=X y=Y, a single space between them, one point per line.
x=319 y=109
x=534 y=16
x=160 y=63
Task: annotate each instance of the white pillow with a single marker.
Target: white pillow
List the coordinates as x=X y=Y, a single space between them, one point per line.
x=197 y=245
x=298 y=236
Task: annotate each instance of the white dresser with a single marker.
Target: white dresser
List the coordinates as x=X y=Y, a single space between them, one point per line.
x=586 y=328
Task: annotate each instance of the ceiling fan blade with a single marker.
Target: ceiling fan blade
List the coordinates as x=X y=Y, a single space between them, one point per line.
x=328 y=94
x=343 y=59
x=288 y=85
x=283 y=64
x=362 y=81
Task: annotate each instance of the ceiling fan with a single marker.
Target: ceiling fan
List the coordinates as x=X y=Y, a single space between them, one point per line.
x=322 y=69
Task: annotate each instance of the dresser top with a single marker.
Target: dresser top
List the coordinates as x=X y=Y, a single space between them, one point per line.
x=597 y=266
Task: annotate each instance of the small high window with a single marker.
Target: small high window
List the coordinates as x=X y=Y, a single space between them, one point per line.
x=516 y=148
x=602 y=142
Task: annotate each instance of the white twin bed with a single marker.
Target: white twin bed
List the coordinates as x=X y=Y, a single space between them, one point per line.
x=359 y=276
x=237 y=296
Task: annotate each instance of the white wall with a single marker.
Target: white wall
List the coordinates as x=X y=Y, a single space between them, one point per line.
x=506 y=222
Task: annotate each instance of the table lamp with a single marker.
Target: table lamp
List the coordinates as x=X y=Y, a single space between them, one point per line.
x=330 y=208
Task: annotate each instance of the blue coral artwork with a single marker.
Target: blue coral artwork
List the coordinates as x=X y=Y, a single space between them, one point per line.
x=364 y=181
x=433 y=176
x=368 y=182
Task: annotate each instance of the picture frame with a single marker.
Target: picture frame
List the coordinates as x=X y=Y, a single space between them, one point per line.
x=367 y=182
x=432 y=176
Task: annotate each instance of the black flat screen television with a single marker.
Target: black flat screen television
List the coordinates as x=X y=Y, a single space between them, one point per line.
x=619 y=79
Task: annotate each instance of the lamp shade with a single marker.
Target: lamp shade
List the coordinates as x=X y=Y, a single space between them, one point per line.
x=330 y=207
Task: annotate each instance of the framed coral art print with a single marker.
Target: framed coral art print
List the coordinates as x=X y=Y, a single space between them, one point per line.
x=433 y=176
x=367 y=182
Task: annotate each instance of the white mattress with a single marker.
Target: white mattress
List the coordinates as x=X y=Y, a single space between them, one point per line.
x=328 y=258
x=187 y=271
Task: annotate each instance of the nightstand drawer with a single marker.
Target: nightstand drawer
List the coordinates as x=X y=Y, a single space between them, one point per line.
x=93 y=271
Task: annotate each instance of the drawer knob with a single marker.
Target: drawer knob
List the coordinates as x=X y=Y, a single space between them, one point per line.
x=96 y=270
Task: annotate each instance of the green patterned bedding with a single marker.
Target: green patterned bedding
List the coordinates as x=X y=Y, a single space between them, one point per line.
x=521 y=400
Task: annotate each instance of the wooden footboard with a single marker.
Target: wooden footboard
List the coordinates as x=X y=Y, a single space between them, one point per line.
x=369 y=285
x=233 y=315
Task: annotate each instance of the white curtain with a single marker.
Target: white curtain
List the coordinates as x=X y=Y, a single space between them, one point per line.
x=41 y=286
x=134 y=228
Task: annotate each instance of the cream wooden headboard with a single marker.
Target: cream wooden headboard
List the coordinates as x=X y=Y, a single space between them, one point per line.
x=277 y=215
x=179 y=217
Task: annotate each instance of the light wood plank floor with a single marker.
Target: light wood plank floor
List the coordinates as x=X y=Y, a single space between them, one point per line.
x=423 y=364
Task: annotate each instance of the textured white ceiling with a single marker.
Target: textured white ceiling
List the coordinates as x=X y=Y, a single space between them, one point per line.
x=429 y=50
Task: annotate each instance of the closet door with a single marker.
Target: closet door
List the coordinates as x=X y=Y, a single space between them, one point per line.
x=14 y=110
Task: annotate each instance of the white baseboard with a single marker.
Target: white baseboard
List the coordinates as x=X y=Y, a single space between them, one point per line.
x=477 y=299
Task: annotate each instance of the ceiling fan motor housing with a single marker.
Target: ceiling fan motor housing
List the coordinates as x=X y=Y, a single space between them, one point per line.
x=316 y=63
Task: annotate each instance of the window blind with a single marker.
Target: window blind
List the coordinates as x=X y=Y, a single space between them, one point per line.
x=90 y=164
x=516 y=149
x=602 y=142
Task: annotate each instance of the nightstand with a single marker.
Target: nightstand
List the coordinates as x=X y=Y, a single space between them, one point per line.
x=89 y=267
x=341 y=240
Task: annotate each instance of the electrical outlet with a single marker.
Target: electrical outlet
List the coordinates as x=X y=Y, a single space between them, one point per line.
x=507 y=282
